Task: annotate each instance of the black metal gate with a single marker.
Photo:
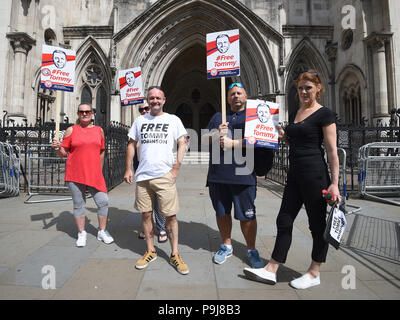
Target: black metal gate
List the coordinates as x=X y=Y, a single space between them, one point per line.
x=26 y=136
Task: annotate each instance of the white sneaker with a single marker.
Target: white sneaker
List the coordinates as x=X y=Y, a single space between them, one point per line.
x=81 y=242
x=305 y=282
x=104 y=236
x=260 y=274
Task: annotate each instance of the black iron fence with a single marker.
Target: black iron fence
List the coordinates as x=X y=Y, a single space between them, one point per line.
x=349 y=138
x=28 y=136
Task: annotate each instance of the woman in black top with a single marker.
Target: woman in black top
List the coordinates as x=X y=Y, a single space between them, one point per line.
x=307 y=176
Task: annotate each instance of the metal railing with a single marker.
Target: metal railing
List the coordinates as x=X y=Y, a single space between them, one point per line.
x=350 y=139
x=10 y=171
x=35 y=140
x=46 y=172
x=379 y=171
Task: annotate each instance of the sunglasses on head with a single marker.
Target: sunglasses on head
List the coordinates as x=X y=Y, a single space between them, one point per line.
x=236 y=84
x=144 y=109
x=84 y=111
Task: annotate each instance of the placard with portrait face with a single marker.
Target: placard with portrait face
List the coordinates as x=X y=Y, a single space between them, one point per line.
x=261 y=119
x=130 y=85
x=223 y=54
x=58 y=68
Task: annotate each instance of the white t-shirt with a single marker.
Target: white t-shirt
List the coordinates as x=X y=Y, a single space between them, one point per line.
x=157 y=136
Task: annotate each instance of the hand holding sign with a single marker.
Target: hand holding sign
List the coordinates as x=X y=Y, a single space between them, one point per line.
x=261 y=128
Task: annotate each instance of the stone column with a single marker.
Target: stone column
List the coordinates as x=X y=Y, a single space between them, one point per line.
x=331 y=50
x=376 y=43
x=21 y=43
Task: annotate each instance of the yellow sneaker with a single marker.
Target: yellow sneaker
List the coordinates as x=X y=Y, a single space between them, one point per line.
x=179 y=265
x=148 y=257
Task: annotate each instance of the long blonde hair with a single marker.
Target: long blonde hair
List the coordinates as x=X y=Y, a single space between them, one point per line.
x=81 y=104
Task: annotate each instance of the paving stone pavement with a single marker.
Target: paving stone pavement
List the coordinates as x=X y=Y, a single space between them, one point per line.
x=38 y=241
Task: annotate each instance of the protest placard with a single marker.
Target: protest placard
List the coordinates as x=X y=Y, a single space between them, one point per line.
x=261 y=119
x=58 y=73
x=130 y=84
x=223 y=59
x=58 y=69
x=223 y=54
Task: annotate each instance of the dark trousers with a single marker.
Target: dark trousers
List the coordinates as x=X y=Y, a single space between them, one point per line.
x=304 y=186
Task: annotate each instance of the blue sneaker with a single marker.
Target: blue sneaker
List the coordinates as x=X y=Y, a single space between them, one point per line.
x=222 y=254
x=254 y=259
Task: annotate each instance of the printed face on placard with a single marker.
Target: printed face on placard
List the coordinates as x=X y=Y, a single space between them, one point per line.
x=59 y=59
x=223 y=43
x=263 y=112
x=130 y=78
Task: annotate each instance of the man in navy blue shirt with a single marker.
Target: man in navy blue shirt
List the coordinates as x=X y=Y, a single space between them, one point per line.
x=229 y=181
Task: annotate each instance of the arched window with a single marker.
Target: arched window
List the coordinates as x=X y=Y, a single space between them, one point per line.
x=352 y=106
x=185 y=113
x=350 y=93
x=94 y=90
x=50 y=37
x=86 y=96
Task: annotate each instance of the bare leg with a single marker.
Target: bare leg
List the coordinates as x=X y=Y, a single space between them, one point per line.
x=80 y=223
x=313 y=270
x=172 y=230
x=102 y=222
x=225 y=228
x=249 y=230
x=147 y=226
x=272 y=266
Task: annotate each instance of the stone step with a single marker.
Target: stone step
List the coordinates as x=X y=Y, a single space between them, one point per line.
x=195 y=157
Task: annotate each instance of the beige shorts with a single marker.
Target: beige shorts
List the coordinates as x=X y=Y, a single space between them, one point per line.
x=167 y=195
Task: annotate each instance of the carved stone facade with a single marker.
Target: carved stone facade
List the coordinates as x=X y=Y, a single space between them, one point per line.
x=353 y=44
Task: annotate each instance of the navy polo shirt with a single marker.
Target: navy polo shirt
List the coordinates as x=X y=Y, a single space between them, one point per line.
x=227 y=172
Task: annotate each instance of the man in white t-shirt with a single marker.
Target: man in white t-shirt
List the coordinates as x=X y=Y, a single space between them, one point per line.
x=156 y=174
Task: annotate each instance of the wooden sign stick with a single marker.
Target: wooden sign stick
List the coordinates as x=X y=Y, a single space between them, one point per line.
x=223 y=100
x=58 y=108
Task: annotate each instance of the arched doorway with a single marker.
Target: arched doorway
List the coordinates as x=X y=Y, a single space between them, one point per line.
x=169 y=45
x=188 y=90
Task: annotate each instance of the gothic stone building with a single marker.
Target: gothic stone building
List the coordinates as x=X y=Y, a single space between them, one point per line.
x=354 y=45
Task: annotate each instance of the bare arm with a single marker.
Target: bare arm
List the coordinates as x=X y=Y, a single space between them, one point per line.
x=56 y=144
x=179 y=156
x=130 y=153
x=333 y=159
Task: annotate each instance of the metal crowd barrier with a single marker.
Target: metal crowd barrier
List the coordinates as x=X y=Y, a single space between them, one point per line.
x=344 y=206
x=10 y=161
x=46 y=173
x=379 y=171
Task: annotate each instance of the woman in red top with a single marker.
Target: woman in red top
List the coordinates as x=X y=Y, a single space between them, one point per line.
x=84 y=145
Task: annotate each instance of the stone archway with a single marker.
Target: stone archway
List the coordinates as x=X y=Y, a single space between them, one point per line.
x=168 y=43
x=352 y=96
x=304 y=57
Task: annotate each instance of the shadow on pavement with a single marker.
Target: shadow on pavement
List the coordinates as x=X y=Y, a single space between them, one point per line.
x=125 y=225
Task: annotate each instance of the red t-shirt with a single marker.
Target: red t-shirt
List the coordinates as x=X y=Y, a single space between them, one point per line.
x=83 y=163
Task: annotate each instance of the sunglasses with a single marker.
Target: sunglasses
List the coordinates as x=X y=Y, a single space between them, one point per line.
x=84 y=111
x=236 y=84
x=144 y=109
